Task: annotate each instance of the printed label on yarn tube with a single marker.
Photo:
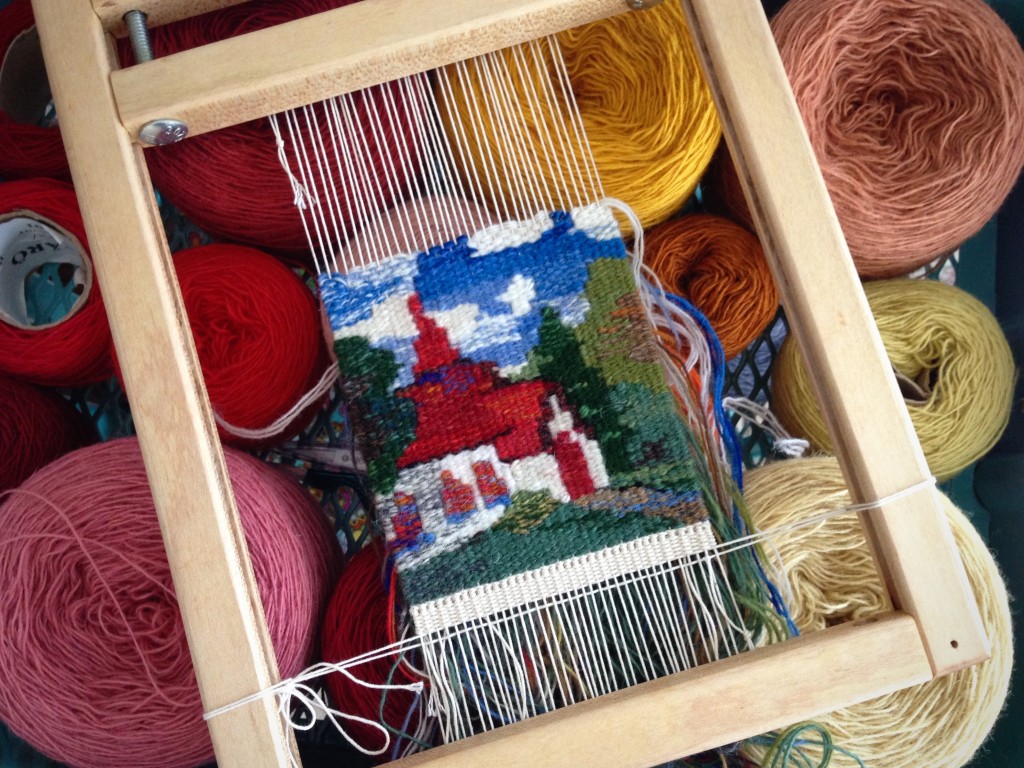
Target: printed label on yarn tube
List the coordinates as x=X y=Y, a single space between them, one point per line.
x=45 y=275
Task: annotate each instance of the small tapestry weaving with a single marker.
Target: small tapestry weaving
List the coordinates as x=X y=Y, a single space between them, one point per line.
x=530 y=469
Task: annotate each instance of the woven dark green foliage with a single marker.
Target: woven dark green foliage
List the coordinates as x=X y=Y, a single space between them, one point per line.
x=385 y=424
x=558 y=359
x=653 y=423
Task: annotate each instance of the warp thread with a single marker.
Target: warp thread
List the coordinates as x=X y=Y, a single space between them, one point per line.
x=230 y=182
x=414 y=226
x=30 y=140
x=940 y=724
x=721 y=269
x=650 y=121
x=259 y=338
x=36 y=427
x=360 y=619
x=951 y=358
x=95 y=664
x=914 y=109
x=72 y=350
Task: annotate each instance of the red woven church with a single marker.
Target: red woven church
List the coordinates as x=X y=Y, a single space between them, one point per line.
x=480 y=437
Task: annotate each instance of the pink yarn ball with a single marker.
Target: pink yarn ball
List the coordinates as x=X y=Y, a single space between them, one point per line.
x=94 y=664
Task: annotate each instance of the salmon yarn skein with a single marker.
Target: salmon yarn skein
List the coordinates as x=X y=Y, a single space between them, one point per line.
x=95 y=666
x=955 y=364
x=940 y=724
x=721 y=269
x=649 y=116
x=914 y=109
x=230 y=182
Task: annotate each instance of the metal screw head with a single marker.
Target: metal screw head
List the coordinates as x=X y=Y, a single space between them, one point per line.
x=160 y=132
x=642 y=5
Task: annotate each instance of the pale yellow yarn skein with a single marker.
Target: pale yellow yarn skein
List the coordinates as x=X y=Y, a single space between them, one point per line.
x=934 y=334
x=939 y=724
x=649 y=116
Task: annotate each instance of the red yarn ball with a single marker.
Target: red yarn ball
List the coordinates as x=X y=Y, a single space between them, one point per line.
x=230 y=182
x=75 y=350
x=259 y=337
x=27 y=149
x=95 y=666
x=36 y=427
x=357 y=622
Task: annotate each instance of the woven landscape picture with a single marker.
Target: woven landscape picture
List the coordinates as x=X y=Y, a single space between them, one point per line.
x=510 y=403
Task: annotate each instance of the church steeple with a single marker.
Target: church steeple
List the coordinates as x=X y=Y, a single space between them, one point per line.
x=432 y=347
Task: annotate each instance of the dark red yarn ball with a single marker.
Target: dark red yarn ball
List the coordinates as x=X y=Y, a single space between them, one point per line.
x=230 y=182
x=36 y=427
x=27 y=150
x=259 y=337
x=356 y=622
x=76 y=350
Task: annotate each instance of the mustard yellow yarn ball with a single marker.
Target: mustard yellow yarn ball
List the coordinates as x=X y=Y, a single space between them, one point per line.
x=955 y=362
x=939 y=724
x=649 y=117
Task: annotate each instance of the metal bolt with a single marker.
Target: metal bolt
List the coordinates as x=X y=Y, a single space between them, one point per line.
x=160 y=132
x=156 y=132
x=138 y=34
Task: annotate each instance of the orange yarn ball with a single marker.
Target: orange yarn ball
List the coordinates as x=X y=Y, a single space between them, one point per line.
x=721 y=269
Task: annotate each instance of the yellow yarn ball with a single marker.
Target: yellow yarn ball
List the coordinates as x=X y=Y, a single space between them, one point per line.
x=955 y=361
x=939 y=724
x=650 y=120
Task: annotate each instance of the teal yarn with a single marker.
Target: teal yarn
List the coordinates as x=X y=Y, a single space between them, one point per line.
x=788 y=748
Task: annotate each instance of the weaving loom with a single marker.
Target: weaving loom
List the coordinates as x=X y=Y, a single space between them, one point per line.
x=533 y=479
x=935 y=628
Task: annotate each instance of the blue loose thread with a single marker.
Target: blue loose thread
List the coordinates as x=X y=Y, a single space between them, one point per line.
x=725 y=427
x=732 y=444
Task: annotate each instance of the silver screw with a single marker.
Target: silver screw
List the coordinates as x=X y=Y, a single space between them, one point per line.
x=642 y=5
x=138 y=34
x=155 y=132
x=160 y=132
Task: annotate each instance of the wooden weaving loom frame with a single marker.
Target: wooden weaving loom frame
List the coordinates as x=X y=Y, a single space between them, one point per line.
x=934 y=627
